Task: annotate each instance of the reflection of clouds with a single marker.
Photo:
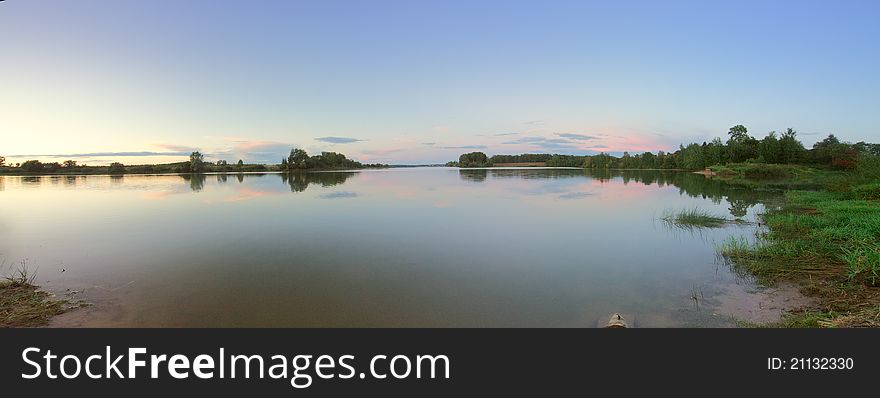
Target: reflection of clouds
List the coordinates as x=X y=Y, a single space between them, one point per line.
x=247 y=194
x=338 y=195
x=158 y=195
x=575 y=195
x=442 y=204
x=405 y=194
x=533 y=189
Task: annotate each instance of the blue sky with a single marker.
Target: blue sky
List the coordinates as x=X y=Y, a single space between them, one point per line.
x=423 y=81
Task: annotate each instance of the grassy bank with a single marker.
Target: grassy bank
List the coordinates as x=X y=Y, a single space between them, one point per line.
x=778 y=176
x=22 y=304
x=828 y=242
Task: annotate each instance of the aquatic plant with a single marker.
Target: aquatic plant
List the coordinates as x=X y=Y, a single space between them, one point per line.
x=692 y=219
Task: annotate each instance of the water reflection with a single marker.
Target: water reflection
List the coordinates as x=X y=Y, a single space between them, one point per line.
x=338 y=195
x=416 y=247
x=739 y=199
x=475 y=175
x=300 y=181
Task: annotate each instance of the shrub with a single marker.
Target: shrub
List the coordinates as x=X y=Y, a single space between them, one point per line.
x=760 y=171
x=867 y=191
x=116 y=168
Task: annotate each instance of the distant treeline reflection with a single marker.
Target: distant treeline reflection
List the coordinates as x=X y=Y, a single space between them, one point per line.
x=690 y=184
x=298 y=182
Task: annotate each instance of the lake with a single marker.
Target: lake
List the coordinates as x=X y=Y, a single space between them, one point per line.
x=402 y=247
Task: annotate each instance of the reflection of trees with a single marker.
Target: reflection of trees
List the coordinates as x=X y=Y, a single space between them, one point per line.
x=690 y=184
x=698 y=186
x=476 y=175
x=299 y=181
x=221 y=178
x=480 y=175
x=196 y=181
x=31 y=180
x=239 y=177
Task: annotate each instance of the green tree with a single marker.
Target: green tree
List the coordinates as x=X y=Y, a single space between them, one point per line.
x=692 y=157
x=240 y=165
x=32 y=166
x=601 y=161
x=284 y=166
x=473 y=159
x=790 y=149
x=714 y=153
x=297 y=159
x=626 y=161
x=51 y=167
x=741 y=146
x=116 y=168
x=69 y=164
x=769 y=149
x=2 y=161
x=822 y=149
x=196 y=162
x=738 y=133
x=648 y=161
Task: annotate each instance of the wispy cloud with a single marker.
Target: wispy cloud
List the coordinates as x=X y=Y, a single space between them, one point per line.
x=466 y=147
x=381 y=151
x=550 y=144
x=504 y=134
x=176 y=148
x=258 y=151
x=338 y=140
x=578 y=137
x=104 y=154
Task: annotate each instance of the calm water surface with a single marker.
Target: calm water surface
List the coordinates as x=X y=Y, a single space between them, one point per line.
x=398 y=247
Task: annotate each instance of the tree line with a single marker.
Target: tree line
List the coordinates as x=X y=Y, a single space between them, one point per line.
x=740 y=147
x=298 y=160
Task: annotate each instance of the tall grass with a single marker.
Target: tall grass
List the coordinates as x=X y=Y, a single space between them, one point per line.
x=21 y=275
x=863 y=263
x=830 y=241
x=692 y=218
x=22 y=304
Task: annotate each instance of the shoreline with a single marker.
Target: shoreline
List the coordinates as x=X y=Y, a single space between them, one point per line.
x=25 y=305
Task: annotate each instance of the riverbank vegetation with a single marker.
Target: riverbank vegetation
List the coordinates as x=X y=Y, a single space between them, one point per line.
x=298 y=160
x=22 y=304
x=826 y=240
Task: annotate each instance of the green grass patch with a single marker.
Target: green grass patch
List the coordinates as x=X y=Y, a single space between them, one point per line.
x=23 y=305
x=828 y=241
x=870 y=191
x=780 y=176
x=693 y=218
